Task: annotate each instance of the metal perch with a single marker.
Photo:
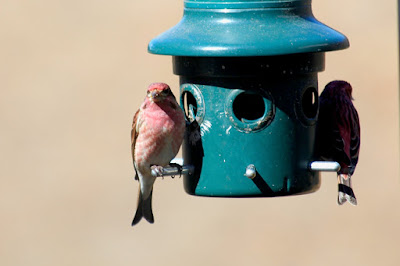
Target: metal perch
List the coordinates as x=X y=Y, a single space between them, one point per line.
x=326 y=166
x=174 y=170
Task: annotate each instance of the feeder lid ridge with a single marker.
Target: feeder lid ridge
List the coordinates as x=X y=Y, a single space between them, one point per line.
x=247 y=28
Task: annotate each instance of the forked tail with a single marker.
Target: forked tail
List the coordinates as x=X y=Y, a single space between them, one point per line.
x=345 y=190
x=144 y=209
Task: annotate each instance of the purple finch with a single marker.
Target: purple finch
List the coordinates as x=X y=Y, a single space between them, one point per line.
x=157 y=133
x=338 y=134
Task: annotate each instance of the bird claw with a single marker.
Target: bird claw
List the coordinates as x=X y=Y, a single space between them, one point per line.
x=157 y=169
x=179 y=169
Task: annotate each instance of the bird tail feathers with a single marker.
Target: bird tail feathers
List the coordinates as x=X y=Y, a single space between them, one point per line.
x=345 y=190
x=144 y=209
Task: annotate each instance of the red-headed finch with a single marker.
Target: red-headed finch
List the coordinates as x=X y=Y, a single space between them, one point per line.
x=338 y=134
x=157 y=133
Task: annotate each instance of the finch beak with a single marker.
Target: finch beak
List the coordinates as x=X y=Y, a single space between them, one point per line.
x=154 y=96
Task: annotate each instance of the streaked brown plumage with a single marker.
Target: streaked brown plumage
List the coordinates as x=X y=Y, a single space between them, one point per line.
x=338 y=134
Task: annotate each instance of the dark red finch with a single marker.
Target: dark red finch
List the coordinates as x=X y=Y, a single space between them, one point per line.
x=157 y=133
x=338 y=134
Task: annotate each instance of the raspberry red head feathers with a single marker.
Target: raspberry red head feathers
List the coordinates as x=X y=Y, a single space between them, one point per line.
x=158 y=91
x=338 y=87
x=158 y=86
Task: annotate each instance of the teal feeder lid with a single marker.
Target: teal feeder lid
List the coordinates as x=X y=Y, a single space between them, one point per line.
x=247 y=28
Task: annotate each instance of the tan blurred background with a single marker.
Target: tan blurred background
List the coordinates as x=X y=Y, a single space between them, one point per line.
x=72 y=74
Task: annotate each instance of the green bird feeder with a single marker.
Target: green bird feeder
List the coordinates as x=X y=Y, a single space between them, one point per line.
x=249 y=87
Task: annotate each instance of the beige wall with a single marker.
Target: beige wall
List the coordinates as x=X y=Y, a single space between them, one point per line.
x=72 y=73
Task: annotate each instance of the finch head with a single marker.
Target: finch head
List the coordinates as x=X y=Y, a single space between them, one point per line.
x=339 y=87
x=158 y=92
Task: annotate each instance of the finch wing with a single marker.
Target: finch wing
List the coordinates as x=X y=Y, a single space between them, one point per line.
x=349 y=128
x=355 y=138
x=134 y=135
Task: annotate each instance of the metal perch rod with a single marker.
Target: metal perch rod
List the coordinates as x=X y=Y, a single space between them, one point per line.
x=171 y=171
x=326 y=166
x=322 y=166
x=174 y=170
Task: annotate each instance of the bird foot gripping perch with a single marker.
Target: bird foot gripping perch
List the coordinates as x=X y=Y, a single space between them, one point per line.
x=173 y=170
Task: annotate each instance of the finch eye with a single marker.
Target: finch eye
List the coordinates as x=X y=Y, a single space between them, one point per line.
x=166 y=92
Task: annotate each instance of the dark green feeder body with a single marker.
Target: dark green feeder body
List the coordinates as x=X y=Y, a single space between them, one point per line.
x=249 y=88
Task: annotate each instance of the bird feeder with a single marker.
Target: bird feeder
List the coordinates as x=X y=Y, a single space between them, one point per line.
x=248 y=74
